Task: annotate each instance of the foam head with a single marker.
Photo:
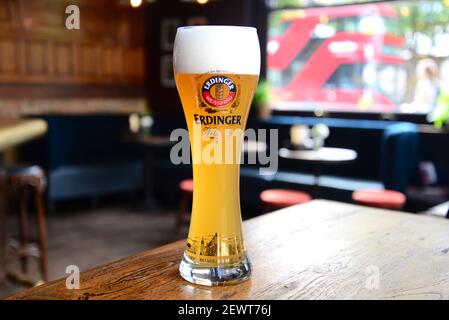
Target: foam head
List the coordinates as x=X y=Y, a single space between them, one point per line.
x=216 y=49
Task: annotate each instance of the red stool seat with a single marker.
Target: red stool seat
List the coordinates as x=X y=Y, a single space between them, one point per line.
x=186 y=186
x=386 y=199
x=281 y=198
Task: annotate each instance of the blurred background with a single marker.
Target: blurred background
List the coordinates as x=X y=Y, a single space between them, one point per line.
x=359 y=91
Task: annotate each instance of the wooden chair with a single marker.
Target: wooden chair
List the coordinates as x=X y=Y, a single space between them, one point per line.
x=20 y=182
x=2 y=230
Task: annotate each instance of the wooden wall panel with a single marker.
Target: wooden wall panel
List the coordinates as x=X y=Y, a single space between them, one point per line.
x=63 y=60
x=133 y=67
x=6 y=14
x=107 y=57
x=139 y=65
x=88 y=57
x=36 y=52
x=42 y=16
x=36 y=47
x=8 y=53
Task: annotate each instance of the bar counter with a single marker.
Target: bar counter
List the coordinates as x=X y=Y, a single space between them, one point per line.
x=318 y=250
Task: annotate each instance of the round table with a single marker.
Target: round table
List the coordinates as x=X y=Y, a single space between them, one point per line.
x=254 y=146
x=151 y=144
x=320 y=157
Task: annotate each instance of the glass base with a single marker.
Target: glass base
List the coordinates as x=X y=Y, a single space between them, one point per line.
x=214 y=276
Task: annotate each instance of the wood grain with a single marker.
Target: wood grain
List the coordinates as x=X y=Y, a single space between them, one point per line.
x=36 y=48
x=18 y=108
x=319 y=250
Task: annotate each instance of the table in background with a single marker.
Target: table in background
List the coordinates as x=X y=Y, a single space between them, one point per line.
x=441 y=210
x=151 y=144
x=253 y=146
x=319 y=157
x=13 y=133
x=16 y=132
x=318 y=250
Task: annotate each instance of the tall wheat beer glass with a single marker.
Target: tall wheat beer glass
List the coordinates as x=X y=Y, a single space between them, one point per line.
x=216 y=70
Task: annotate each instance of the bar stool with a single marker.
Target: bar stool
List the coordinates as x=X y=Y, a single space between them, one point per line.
x=2 y=231
x=385 y=199
x=282 y=198
x=20 y=180
x=186 y=188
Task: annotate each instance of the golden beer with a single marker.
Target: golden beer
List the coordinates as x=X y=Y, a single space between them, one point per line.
x=216 y=103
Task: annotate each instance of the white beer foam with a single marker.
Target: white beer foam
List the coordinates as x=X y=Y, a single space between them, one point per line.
x=211 y=49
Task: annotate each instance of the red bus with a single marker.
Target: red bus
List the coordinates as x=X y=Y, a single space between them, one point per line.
x=344 y=58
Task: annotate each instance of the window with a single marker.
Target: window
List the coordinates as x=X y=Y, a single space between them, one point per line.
x=386 y=57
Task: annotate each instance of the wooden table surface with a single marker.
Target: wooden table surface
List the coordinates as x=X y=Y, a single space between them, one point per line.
x=15 y=132
x=318 y=250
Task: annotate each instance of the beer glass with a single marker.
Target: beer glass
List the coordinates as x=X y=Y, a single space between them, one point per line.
x=216 y=71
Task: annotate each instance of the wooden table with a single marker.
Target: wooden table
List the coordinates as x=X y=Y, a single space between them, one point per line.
x=323 y=155
x=14 y=133
x=319 y=157
x=318 y=250
x=155 y=145
x=441 y=210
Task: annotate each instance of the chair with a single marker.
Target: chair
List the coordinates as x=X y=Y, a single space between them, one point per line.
x=2 y=231
x=186 y=188
x=386 y=199
x=400 y=155
x=20 y=180
x=440 y=210
x=399 y=161
x=282 y=198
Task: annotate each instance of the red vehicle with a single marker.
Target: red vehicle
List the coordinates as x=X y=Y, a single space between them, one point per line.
x=341 y=58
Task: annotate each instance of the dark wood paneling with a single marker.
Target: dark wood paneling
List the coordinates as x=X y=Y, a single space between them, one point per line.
x=88 y=57
x=6 y=14
x=36 y=53
x=21 y=91
x=63 y=60
x=37 y=49
x=8 y=53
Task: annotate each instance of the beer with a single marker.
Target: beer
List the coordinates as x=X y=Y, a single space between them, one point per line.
x=216 y=83
x=216 y=208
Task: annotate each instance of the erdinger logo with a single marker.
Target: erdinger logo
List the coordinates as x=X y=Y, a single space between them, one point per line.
x=218 y=91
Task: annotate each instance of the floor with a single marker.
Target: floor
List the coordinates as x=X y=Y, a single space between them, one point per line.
x=91 y=237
